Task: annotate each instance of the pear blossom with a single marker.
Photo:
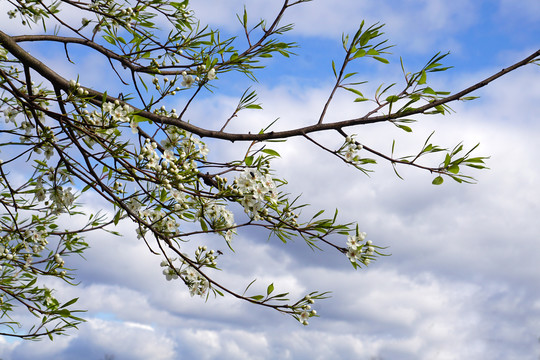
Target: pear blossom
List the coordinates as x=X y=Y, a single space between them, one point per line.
x=353 y=254
x=255 y=189
x=198 y=285
x=134 y=127
x=48 y=152
x=10 y=114
x=352 y=242
x=188 y=80
x=179 y=196
x=304 y=316
x=170 y=273
x=168 y=157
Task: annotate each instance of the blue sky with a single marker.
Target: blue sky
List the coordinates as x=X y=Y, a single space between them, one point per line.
x=462 y=281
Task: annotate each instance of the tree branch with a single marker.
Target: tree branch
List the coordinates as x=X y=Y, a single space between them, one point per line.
x=11 y=45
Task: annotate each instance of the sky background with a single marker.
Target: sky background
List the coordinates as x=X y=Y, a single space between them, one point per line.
x=463 y=279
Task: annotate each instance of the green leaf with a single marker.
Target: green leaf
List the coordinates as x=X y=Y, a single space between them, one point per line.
x=70 y=302
x=454 y=169
x=383 y=60
x=248 y=160
x=334 y=68
x=271 y=152
x=423 y=78
x=360 y=53
x=117 y=217
x=86 y=188
x=163 y=195
x=476 y=166
x=109 y=39
x=63 y=312
x=349 y=75
x=254 y=106
x=476 y=160
x=392 y=98
x=438 y=180
x=257 y=297
x=270 y=289
x=372 y=52
x=219 y=292
x=365 y=38
x=404 y=127
x=447 y=160
x=357 y=92
x=204 y=227
x=138 y=118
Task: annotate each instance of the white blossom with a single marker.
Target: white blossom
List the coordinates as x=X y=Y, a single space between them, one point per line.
x=304 y=316
x=255 y=189
x=187 y=81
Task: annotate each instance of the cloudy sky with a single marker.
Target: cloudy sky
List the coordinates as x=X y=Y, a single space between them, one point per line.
x=462 y=281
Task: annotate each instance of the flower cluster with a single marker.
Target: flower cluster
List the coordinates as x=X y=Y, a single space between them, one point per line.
x=149 y=153
x=105 y=123
x=199 y=146
x=168 y=167
x=350 y=150
x=306 y=311
x=205 y=257
x=188 y=80
x=77 y=89
x=62 y=199
x=57 y=194
x=159 y=220
x=125 y=16
x=255 y=190
x=28 y=9
x=38 y=240
x=7 y=254
x=10 y=114
x=170 y=89
x=359 y=252
x=219 y=218
x=58 y=259
x=119 y=113
x=196 y=282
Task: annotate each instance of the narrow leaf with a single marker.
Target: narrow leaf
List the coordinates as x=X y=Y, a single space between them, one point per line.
x=383 y=60
x=423 y=78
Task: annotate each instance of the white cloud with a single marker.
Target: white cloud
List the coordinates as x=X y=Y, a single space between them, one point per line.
x=461 y=281
x=415 y=23
x=527 y=11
